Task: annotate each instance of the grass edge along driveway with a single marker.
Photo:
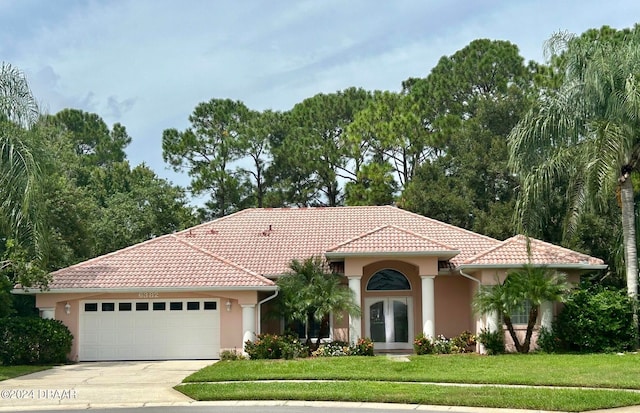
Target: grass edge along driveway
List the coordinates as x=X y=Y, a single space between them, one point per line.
x=381 y=379
x=9 y=372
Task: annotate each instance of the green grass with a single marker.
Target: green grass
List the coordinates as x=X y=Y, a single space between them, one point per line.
x=9 y=372
x=383 y=380
x=415 y=393
x=598 y=370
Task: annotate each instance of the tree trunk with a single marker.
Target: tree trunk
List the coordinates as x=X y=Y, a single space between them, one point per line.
x=629 y=236
x=512 y=332
x=629 y=239
x=533 y=317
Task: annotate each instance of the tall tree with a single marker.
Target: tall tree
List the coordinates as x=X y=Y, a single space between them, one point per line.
x=207 y=149
x=390 y=128
x=20 y=180
x=586 y=132
x=261 y=130
x=314 y=151
x=468 y=104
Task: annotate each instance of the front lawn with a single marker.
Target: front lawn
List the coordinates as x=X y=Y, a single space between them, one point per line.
x=9 y=372
x=382 y=379
x=597 y=370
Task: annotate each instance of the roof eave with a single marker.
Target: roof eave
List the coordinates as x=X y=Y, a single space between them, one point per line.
x=445 y=254
x=583 y=267
x=30 y=291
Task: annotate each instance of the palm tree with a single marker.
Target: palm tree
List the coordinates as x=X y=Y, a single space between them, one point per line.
x=586 y=132
x=20 y=175
x=311 y=292
x=530 y=284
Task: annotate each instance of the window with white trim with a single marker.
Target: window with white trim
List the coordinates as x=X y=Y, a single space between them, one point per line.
x=521 y=314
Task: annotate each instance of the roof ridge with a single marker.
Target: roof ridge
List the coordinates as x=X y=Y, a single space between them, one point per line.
x=444 y=224
x=415 y=234
x=359 y=236
x=481 y=254
x=555 y=247
x=550 y=248
x=223 y=218
x=222 y=259
x=112 y=253
x=366 y=234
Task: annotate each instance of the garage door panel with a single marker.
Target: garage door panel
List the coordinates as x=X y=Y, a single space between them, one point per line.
x=133 y=330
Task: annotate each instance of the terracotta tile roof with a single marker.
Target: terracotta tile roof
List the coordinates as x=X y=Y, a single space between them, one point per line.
x=265 y=240
x=241 y=249
x=167 y=261
x=391 y=239
x=514 y=251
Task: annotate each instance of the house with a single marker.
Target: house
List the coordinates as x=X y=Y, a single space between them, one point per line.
x=195 y=293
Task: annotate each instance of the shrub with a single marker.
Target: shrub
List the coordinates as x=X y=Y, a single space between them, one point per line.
x=291 y=348
x=596 y=320
x=442 y=345
x=231 y=355
x=464 y=343
x=362 y=347
x=423 y=344
x=271 y=346
x=548 y=341
x=333 y=349
x=33 y=340
x=266 y=346
x=493 y=341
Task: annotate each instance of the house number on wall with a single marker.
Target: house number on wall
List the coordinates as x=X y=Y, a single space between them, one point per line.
x=149 y=294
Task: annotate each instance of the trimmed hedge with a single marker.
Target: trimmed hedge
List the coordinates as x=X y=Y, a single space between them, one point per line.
x=33 y=340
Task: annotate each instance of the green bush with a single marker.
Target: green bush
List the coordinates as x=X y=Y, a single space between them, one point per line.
x=493 y=341
x=464 y=343
x=333 y=349
x=548 y=341
x=231 y=355
x=33 y=340
x=423 y=344
x=362 y=347
x=596 y=320
x=271 y=346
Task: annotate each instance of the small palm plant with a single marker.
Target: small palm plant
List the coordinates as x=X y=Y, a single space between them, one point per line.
x=532 y=284
x=309 y=291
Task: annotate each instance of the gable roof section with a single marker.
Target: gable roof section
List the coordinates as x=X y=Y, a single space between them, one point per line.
x=391 y=240
x=513 y=251
x=164 y=262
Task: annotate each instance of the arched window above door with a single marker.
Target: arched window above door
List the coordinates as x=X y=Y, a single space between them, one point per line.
x=388 y=280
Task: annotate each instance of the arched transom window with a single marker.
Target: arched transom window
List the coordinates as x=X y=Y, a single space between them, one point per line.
x=388 y=280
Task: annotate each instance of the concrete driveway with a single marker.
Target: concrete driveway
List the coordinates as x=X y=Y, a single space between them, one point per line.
x=84 y=385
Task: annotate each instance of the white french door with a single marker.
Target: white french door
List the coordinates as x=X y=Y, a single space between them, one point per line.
x=389 y=322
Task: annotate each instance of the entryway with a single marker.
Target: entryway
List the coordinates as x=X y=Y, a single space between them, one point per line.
x=389 y=322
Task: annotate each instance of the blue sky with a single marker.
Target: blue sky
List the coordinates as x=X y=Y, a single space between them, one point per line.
x=148 y=63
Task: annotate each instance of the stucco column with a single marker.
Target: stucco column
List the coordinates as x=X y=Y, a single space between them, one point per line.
x=355 y=323
x=546 y=311
x=248 y=322
x=48 y=312
x=492 y=321
x=428 y=306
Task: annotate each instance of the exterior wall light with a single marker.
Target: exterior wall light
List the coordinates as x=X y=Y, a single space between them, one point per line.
x=228 y=305
x=67 y=308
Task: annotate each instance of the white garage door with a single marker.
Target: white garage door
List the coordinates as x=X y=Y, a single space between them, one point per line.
x=149 y=329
